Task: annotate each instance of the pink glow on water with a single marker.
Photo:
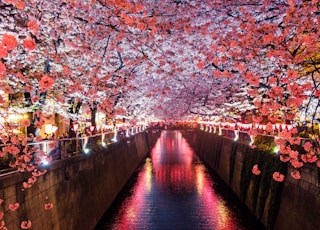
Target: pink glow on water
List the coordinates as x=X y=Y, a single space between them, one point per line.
x=174 y=191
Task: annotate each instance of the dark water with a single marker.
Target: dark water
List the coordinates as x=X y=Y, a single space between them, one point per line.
x=174 y=190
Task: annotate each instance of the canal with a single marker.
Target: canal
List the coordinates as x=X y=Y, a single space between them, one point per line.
x=174 y=190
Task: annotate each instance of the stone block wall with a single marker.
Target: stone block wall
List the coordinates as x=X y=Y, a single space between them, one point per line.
x=81 y=188
x=292 y=204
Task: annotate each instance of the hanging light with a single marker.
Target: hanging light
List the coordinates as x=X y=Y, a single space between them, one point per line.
x=236 y=135
x=251 y=140
x=220 y=131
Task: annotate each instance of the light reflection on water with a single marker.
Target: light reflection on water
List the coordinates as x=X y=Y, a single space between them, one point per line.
x=173 y=190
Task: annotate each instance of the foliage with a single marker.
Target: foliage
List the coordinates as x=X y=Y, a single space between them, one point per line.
x=164 y=60
x=264 y=143
x=197 y=63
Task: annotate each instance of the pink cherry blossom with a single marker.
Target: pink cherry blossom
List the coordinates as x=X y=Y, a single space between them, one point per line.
x=3 y=51
x=32 y=180
x=38 y=173
x=11 y=149
x=9 y=41
x=294 y=154
x=296 y=164
x=46 y=82
x=48 y=206
x=33 y=25
x=309 y=158
x=21 y=166
x=13 y=207
x=307 y=146
x=296 y=174
x=2 y=224
x=26 y=224
x=284 y=158
x=278 y=176
x=26 y=185
x=30 y=44
x=27 y=158
x=255 y=170
x=2 y=68
x=30 y=167
x=312 y=158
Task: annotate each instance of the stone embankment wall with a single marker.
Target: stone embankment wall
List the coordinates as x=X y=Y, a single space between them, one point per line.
x=292 y=204
x=81 y=187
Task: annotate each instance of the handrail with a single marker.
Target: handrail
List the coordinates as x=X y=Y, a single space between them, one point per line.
x=63 y=148
x=302 y=139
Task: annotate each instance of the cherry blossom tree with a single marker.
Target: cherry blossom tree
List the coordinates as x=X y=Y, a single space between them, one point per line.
x=172 y=59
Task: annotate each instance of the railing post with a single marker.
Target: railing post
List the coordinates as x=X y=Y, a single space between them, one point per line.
x=77 y=143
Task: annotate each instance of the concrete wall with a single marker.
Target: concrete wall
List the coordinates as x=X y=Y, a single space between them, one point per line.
x=81 y=187
x=293 y=204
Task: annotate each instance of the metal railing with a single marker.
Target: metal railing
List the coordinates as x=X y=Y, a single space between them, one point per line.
x=244 y=136
x=63 y=148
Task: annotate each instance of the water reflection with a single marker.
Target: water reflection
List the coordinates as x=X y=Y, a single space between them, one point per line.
x=173 y=190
